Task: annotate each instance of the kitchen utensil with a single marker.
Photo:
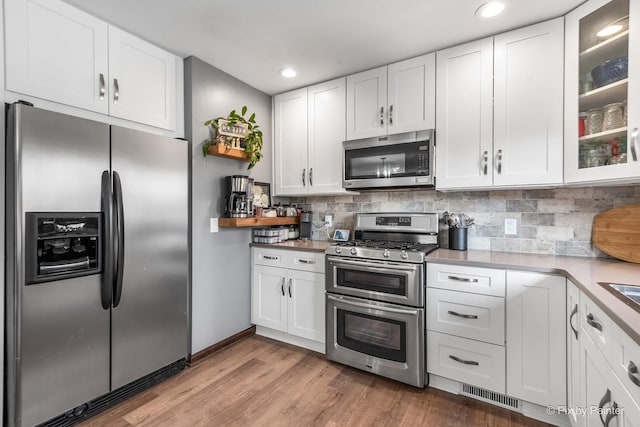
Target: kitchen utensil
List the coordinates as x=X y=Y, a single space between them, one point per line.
x=610 y=71
x=616 y=232
x=612 y=117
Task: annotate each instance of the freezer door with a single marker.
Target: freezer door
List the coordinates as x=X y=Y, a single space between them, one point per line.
x=57 y=332
x=149 y=322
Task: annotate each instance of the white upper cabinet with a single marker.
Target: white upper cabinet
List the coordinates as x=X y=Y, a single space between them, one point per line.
x=528 y=109
x=309 y=127
x=290 y=142
x=56 y=52
x=326 y=127
x=367 y=103
x=464 y=118
x=393 y=99
x=609 y=150
x=514 y=140
x=143 y=81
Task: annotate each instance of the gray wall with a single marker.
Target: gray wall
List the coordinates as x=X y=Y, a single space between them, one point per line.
x=555 y=221
x=220 y=262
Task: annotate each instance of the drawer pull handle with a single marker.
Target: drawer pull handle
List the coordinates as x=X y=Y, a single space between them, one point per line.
x=462 y=279
x=464 y=316
x=306 y=261
x=573 y=313
x=593 y=323
x=274 y=258
x=633 y=373
x=465 y=362
x=605 y=399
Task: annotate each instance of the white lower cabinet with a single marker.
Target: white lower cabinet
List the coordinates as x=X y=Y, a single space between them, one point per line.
x=574 y=397
x=536 y=345
x=471 y=362
x=499 y=330
x=287 y=296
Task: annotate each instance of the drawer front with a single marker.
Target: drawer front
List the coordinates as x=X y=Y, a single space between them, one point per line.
x=626 y=361
x=468 y=361
x=307 y=261
x=478 y=317
x=596 y=324
x=272 y=257
x=486 y=281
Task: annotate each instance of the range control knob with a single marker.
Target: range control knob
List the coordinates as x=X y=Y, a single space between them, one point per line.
x=404 y=255
x=338 y=249
x=386 y=253
x=353 y=251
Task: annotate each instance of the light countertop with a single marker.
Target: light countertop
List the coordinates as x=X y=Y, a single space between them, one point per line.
x=582 y=271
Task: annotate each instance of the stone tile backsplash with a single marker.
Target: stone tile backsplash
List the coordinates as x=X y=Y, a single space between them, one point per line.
x=554 y=221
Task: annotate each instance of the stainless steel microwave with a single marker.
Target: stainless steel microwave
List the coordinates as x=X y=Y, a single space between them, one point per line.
x=394 y=161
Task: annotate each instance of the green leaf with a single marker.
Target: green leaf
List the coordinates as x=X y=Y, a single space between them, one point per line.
x=252 y=119
x=208 y=122
x=244 y=110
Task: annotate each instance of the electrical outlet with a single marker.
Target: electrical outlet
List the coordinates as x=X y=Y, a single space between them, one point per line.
x=510 y=226
x=213 y=225
x=328 y=220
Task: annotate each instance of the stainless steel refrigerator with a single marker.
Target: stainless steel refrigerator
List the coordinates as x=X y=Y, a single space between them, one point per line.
x=97 y=264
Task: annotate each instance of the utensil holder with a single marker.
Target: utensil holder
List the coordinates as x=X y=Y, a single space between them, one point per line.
x=458 y=239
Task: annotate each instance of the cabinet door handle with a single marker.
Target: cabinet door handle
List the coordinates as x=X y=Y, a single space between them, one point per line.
x=605 y=399
x=611 y=415
x=381 y=116
x=634 y=141
x=282 y=286
x=464 y=316
x=311 y=176
x=462 y=279
x=391 y=115
x=116 y=91
x=464 y=362
x=573 y=313
x=632 y=372
x=305 y=261
x=275 y=258
x=593 y=323
x=499 y=161
x=103 y=89
x=290 y=280
x=304 y=176
x=485 y=163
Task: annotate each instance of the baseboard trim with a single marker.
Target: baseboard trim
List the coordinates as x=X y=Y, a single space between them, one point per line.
x=291 y=339
x=204 y=353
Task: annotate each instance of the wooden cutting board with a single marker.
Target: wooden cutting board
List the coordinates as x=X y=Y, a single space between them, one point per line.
x=616 y=232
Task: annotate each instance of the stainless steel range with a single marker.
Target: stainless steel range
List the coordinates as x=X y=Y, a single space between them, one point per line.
x=375 y=295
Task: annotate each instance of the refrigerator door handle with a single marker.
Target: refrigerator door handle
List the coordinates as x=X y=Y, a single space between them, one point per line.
x=119 y=221
x=106 y=287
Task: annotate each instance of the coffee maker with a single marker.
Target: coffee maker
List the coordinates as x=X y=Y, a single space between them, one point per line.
x=238 y=202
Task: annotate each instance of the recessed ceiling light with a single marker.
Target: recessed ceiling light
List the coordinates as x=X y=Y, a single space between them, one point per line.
x=609 y=30
x=490 y=9
x=288 y=73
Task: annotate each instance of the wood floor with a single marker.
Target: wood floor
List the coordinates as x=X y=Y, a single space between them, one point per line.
x=260 y=382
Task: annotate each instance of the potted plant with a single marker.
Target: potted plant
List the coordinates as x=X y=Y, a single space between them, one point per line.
x=236 y=130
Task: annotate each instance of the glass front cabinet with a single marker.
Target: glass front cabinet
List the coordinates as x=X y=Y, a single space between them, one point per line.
x=602 y=92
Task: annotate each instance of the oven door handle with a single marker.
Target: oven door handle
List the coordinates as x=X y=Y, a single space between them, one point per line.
x=371 y=305
x=371 y=265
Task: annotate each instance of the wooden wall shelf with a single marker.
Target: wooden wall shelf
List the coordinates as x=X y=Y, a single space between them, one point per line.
x=258 y=221
x=222 y=150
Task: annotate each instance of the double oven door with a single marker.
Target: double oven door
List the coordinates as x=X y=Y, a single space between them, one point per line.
x=375 y=317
